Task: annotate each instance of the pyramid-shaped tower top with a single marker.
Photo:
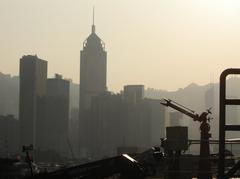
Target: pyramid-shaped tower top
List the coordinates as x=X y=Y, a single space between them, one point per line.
x=93 y=40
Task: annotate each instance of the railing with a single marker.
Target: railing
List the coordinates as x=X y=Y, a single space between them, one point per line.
x=223 y=127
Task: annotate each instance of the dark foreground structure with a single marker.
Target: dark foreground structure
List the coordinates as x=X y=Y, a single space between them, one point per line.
x=223 y=127
x=122 y=166
x=164 y=161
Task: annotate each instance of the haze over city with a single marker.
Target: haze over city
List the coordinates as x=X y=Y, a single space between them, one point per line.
x=119 y=89
x=161 y=44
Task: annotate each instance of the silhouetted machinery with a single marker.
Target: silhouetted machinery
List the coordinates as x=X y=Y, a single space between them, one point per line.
x=204 y=161
x=123 y=167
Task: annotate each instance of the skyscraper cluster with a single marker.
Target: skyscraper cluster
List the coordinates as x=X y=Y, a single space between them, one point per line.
x=108 y=123
x=43 y=108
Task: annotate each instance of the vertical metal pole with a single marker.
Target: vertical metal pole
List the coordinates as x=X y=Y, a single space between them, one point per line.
x=29 y=163
x=222 y=115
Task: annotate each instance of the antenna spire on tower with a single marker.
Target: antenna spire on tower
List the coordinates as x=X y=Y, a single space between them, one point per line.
x=93 y=25
x=93 y=15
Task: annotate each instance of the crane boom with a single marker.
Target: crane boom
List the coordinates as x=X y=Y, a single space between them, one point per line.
x=180 y=108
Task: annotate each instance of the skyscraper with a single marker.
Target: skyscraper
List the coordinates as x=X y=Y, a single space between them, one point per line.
x=57 y=115
x=133 y=93
x=33 y=75
x=93 y=71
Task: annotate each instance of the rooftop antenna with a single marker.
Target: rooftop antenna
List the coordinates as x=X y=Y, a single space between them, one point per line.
x=93 y=25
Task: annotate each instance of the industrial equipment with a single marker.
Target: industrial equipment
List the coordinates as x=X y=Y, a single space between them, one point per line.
x=204 y=119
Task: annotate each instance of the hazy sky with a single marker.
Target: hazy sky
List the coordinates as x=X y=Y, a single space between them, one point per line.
x=164 y=44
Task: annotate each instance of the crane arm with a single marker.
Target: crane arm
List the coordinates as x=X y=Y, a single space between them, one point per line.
x=180 y=108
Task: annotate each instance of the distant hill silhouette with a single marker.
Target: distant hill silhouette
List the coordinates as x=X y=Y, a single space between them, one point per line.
x=191 y=96
x=194 y=97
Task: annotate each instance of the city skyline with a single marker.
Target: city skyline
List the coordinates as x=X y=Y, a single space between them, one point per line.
x=192 y=40
x=132 y=83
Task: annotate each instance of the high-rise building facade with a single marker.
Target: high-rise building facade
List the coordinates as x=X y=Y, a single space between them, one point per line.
x=9 y=135
x=33 y=75
x=93 y=69
x=9 y=89
x=133 y=93
x=124 y=122
x=175 y=118
x=157 y=120
x=93 y=75
x=57 y=116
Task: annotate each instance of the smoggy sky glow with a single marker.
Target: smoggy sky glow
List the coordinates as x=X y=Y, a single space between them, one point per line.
x=164 y=44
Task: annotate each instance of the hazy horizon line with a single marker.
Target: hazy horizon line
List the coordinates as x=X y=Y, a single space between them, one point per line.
x=146 y=88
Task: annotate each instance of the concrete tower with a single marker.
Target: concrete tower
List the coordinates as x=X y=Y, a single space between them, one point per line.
x=93 y=74
x=57 y=112
x=33 y=76
x=93 y=69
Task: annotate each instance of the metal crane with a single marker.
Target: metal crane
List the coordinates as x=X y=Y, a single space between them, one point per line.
x=204 y=119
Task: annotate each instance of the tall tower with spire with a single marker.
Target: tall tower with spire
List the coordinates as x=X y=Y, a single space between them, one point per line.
x=93 y=75
x=93 y=68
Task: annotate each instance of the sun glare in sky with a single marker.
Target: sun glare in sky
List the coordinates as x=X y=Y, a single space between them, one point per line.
x=165 y=44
